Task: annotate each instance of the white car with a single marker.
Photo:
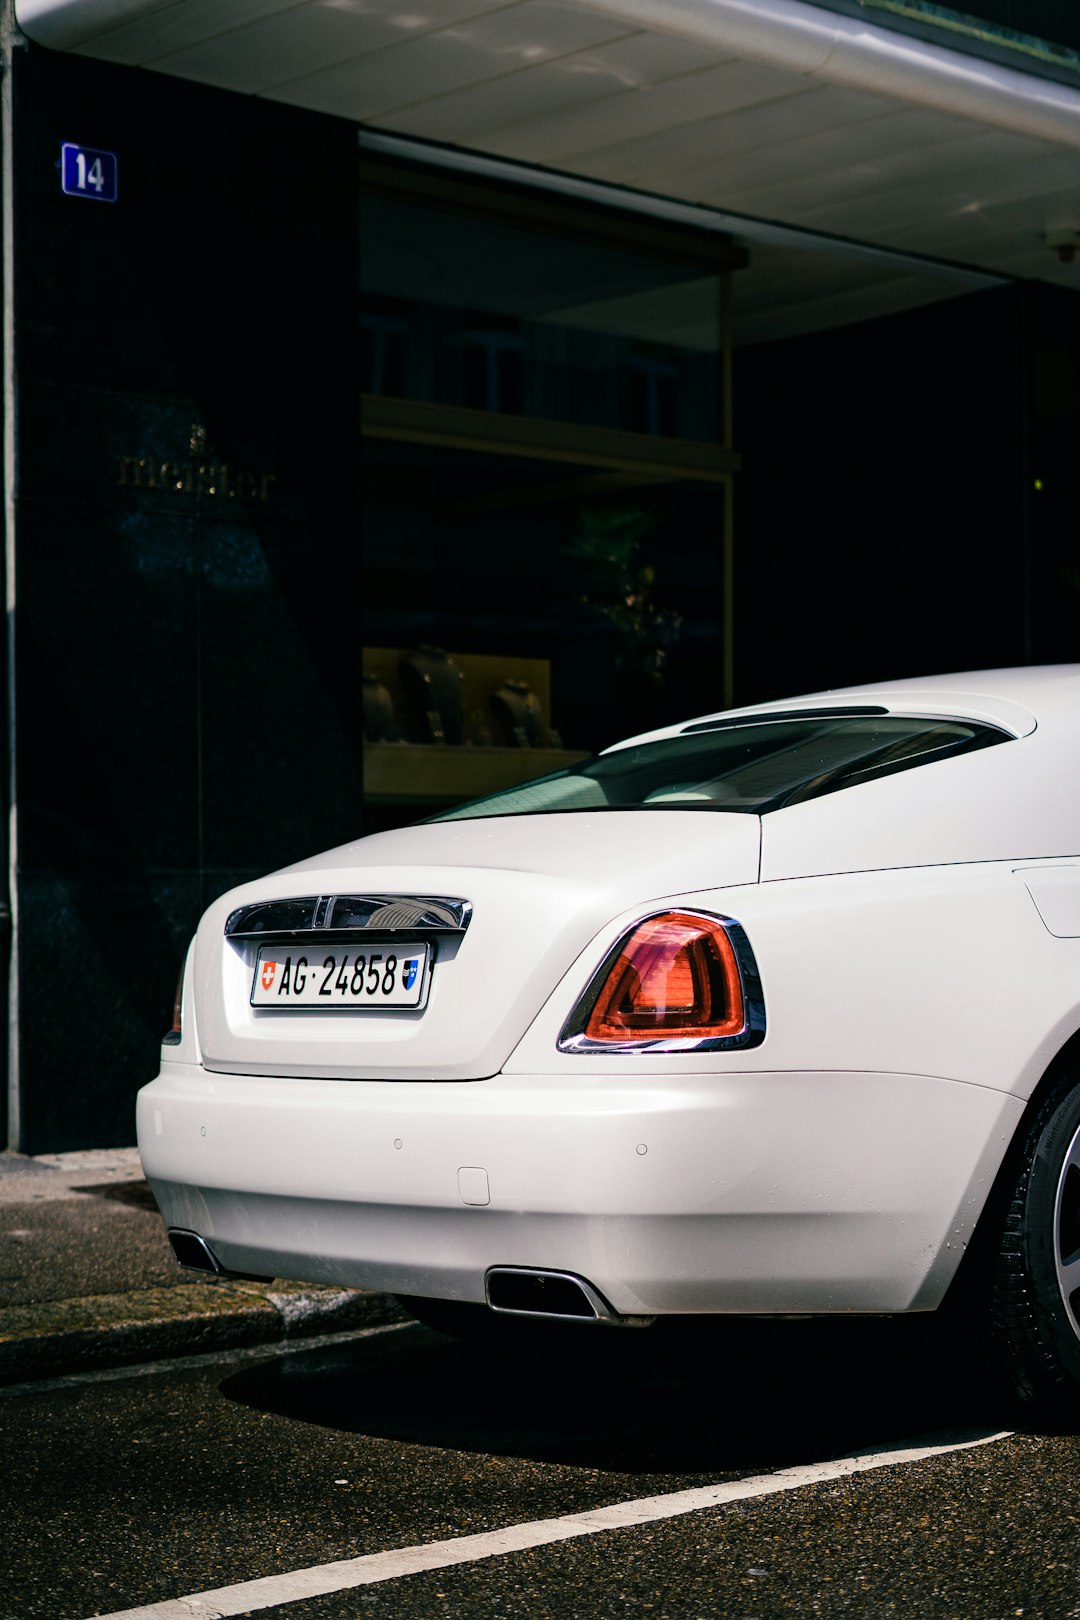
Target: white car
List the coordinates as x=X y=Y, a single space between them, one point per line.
x=773 y=1012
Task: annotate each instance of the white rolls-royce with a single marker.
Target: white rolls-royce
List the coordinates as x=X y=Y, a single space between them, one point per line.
x=776 y=1011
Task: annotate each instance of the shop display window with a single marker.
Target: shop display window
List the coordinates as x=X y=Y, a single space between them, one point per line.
x=546 y=486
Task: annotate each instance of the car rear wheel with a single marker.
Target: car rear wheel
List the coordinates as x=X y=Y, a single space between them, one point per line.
x=1036 y=1287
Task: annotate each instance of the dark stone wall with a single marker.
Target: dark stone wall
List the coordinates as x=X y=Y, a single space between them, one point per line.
x=1052 y=339
x=187 y=624
x=882 y=519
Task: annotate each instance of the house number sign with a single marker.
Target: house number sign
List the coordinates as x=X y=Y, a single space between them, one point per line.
x=87 y=172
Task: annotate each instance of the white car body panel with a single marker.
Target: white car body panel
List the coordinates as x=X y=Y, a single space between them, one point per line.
x=927 y=960
x=531 y=915
x=1000 y=697
x=918 y=944
x=747 y=1197
x=977 y=813
x=1056 y=892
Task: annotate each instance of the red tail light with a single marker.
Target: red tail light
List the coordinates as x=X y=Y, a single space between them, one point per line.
x=676 y=977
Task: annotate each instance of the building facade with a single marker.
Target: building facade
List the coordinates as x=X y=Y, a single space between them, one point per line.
x=395 y=407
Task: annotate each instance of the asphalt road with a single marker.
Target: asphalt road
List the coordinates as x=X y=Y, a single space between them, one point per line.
x=132 y=1488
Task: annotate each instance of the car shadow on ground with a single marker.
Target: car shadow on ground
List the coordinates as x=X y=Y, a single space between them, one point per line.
x=680 y=1398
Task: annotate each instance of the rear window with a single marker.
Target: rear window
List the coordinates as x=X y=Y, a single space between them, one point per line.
x=753 y=766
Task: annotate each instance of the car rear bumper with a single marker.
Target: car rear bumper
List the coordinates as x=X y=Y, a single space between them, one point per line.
x=742 y=1192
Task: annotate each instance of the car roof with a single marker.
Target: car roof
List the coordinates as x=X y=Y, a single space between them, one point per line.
x=1017 y=699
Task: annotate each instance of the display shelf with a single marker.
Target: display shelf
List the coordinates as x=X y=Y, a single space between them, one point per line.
x=434 y=773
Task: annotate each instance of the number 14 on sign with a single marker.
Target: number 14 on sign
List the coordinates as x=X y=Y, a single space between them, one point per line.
x=86 y=172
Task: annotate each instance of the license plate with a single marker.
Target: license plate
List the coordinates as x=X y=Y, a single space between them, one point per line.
x=384 y=976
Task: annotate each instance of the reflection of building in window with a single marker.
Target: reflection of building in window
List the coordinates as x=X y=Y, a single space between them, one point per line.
x=653 y=395
x=384 y=354
x=512 y=320
x=493 y=370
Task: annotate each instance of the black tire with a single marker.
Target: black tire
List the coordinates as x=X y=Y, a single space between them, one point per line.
x=1036 y=1283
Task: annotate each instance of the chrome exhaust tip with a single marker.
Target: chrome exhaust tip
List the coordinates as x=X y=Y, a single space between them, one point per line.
x=193 y=1252
x=555 y=1295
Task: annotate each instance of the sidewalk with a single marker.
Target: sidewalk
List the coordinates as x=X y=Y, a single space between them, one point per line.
x=87 y=1278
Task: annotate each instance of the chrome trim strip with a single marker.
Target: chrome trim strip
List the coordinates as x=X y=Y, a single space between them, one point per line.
x=348 y=914
x=573 y=1039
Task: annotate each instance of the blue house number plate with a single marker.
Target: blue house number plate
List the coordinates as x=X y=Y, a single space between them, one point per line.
x=85 y=172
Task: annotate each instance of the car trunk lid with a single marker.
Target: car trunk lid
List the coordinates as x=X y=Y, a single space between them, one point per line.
x=537 y=889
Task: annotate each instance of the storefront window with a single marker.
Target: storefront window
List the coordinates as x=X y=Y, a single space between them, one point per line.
x=496 y=317
x=546 y=490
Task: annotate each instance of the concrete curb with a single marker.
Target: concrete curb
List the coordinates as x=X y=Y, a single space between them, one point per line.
x=113 y=1330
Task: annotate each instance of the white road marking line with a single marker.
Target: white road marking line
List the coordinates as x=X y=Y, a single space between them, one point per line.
x=270 y=1351
x=324 y=1579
